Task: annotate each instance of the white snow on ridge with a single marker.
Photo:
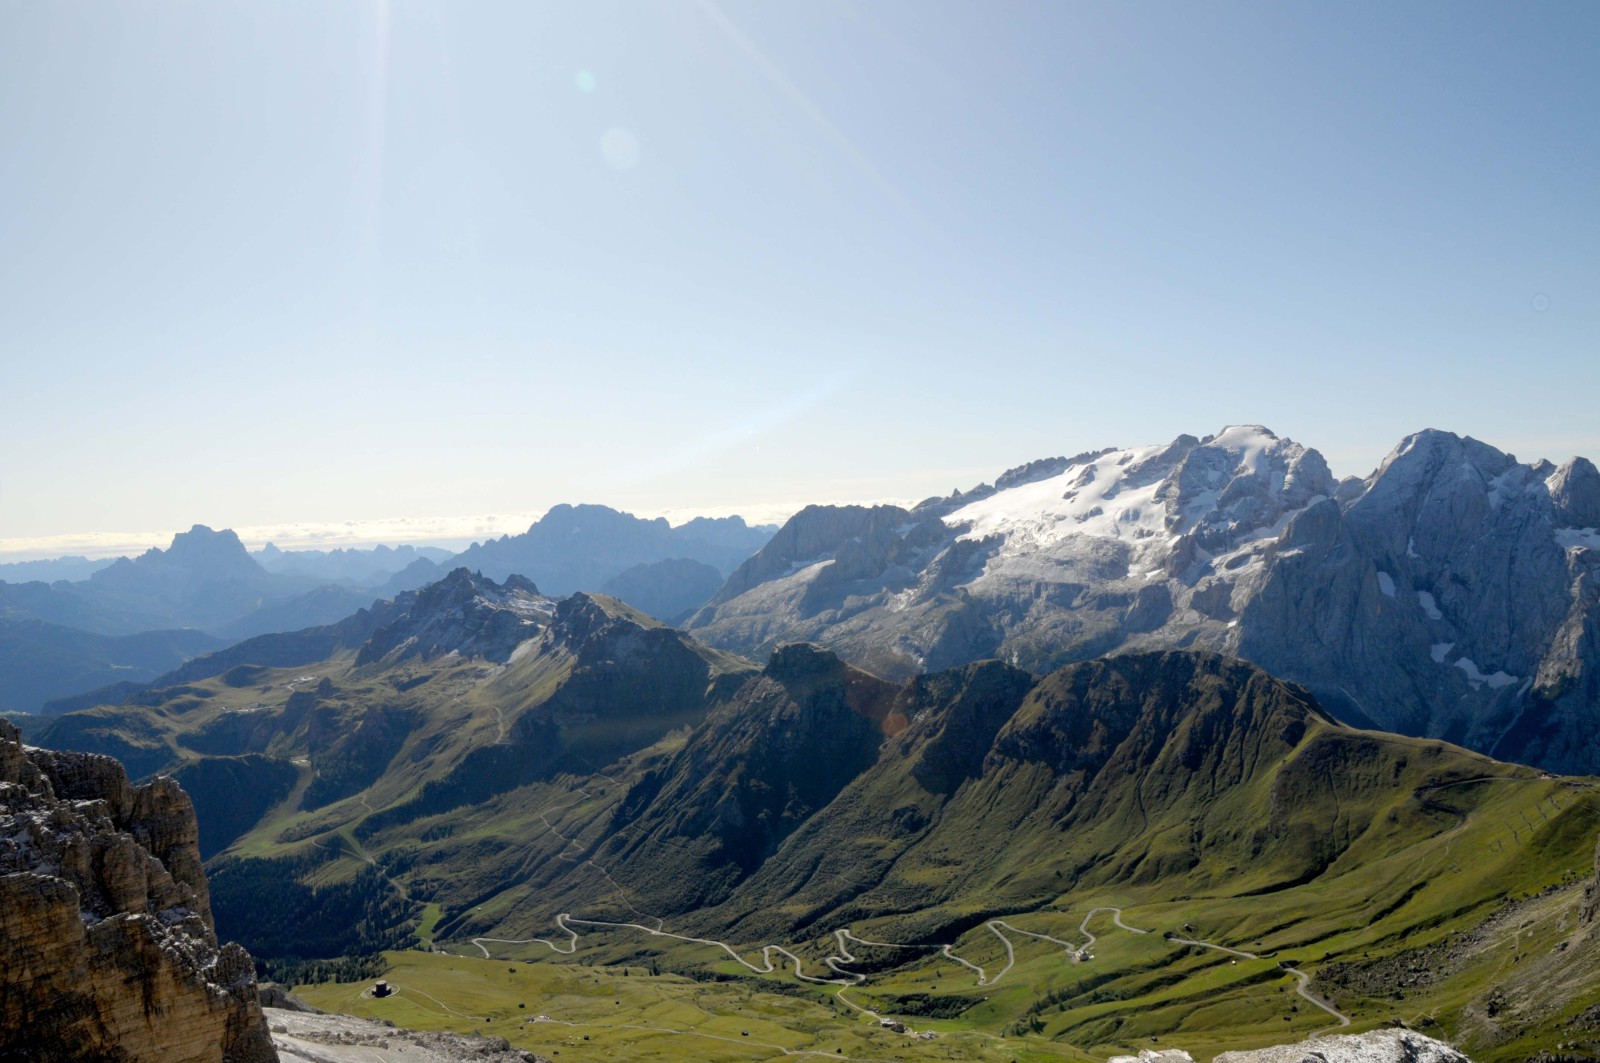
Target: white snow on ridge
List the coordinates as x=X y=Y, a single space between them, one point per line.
x=1477 y=678
x=1567 y=538
x=1087 y=499
x=1095 y=498
x=1386 y=583
x=1440 y=650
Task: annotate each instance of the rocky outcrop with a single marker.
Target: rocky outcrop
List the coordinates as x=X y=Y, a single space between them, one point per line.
x=579 y=548
x=463 y=613
x=1378 y=1046
x=107 y=946
x=1591 y=893
x=312 y=1037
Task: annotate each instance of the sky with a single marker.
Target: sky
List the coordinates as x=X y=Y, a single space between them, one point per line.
x=362 y=267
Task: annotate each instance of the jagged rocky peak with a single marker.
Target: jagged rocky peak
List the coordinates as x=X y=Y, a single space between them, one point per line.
x=605 y=637
x=608 y=636
x=581 y=618
x=802 y=662
x=813 y=676
x=1425 y=454
x=1219 y=491
x=200 y=545
x=1168 y=713
x=462 y=589
x=1436 y=478
x=812 y=536
x=107 y=948
x=1575 y=490
x=199 y=552
x=465 y=613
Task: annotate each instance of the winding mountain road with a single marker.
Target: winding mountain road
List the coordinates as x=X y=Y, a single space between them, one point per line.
x=1302 y=980
x=1083 y=928
x=842 y=957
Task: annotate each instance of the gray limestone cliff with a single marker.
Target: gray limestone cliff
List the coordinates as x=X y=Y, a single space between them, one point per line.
x=1376 y=1046
x=1454 y=593
x=107 y=947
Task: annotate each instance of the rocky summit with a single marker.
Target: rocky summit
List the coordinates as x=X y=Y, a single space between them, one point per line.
x=1451 y=594
x=107 y=947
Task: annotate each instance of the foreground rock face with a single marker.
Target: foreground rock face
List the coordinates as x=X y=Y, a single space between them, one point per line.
x=1378 y=1046
x=107 y=948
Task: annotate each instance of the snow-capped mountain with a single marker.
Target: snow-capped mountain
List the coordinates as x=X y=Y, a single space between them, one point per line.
x=1451 y=593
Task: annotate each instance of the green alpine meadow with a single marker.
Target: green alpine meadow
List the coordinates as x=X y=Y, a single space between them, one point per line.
x=1154 y=849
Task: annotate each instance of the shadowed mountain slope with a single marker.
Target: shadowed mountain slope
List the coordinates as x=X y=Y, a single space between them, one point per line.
x=41 y=661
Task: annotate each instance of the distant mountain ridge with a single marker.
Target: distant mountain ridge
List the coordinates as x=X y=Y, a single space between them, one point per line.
x=1452 y=593
x=366 y=566
x=581 y=548
x=669 y=590
x=208 y=581
x=49 y=570
x=41 y=661
x=205 y=580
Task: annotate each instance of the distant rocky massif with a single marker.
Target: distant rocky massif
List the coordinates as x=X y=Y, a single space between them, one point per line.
x=580 y=548
x=107 y=948
x=1450 y=594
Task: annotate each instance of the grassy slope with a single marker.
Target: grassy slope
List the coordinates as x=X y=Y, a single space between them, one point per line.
x=1416 y=845
x=626 y=1013
x=1142 y=990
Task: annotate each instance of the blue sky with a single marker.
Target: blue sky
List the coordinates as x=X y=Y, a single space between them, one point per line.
x=264 y=263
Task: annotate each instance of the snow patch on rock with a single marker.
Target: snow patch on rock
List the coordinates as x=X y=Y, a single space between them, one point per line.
x=1429 y=606
x=1477 y=678
x=1567 y=538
